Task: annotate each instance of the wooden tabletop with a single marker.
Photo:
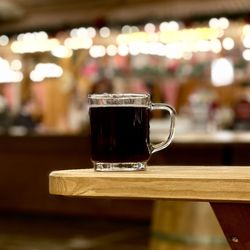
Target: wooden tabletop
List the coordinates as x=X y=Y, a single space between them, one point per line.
x=157 y=182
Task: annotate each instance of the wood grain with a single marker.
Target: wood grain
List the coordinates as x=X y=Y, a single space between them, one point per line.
x=157 y=182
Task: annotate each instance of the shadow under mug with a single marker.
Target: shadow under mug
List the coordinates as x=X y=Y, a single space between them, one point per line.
x=119 y=125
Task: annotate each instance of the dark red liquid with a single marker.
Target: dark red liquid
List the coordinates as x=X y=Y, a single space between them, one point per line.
x=119 y=133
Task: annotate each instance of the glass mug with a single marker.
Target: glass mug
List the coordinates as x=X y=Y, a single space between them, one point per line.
x=119 y=126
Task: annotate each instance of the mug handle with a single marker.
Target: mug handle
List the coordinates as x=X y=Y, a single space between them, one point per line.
x=162 y=106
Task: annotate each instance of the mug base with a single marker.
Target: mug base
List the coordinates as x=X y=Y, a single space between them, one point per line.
x=119 y=166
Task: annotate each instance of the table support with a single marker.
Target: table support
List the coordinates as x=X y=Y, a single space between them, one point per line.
x=235 y=222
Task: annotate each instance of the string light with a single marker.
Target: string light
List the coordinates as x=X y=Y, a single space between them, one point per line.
x=219 y=67
x=45 y=70
x=111 y=50
x=215 y=46
x=97 y=51
x=104 y=32
x=246 y=54
x=61 y=52
x=123 y=50
x=8 y=75
x=33 y=42
x=4 y=40
x=133 y=41
x=91 y=32
x=228 y=43
x=76 y=43
x=149 y=28
x=16 y=65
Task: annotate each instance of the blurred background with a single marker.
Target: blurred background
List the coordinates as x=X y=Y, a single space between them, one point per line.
x=194 y=55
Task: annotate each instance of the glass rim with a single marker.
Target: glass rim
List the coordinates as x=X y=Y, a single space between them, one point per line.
x=107 y=96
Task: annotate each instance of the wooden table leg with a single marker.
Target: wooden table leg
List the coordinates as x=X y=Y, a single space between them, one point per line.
x=234 y=219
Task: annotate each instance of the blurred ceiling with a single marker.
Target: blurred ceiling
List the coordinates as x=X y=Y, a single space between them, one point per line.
x=27 y=15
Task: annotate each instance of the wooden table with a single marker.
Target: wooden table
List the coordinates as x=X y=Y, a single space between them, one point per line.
x=227 y=189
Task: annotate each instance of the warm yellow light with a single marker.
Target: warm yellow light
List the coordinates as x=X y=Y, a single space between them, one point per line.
x=149 y=28
x=16 y=65
x=97 y=51
x=128 y=38
x=32 y=46
x=203 y=46
x=173 y=26
x=61 y=52
x=224 y=23
x=111 y=50
x=246 y=30
x=246 y=54
x=228 y=43
x=123 y=50
x=218 y=68
x=91 y=32
x=166 y=37
x=189 y=34
x=7 y=74
x=76 y=43
x=105 y=32
x=163 y=26
x=4 y=40
x=45 y=70
x=215 y=46
x=246 y=41
x=125 y=29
